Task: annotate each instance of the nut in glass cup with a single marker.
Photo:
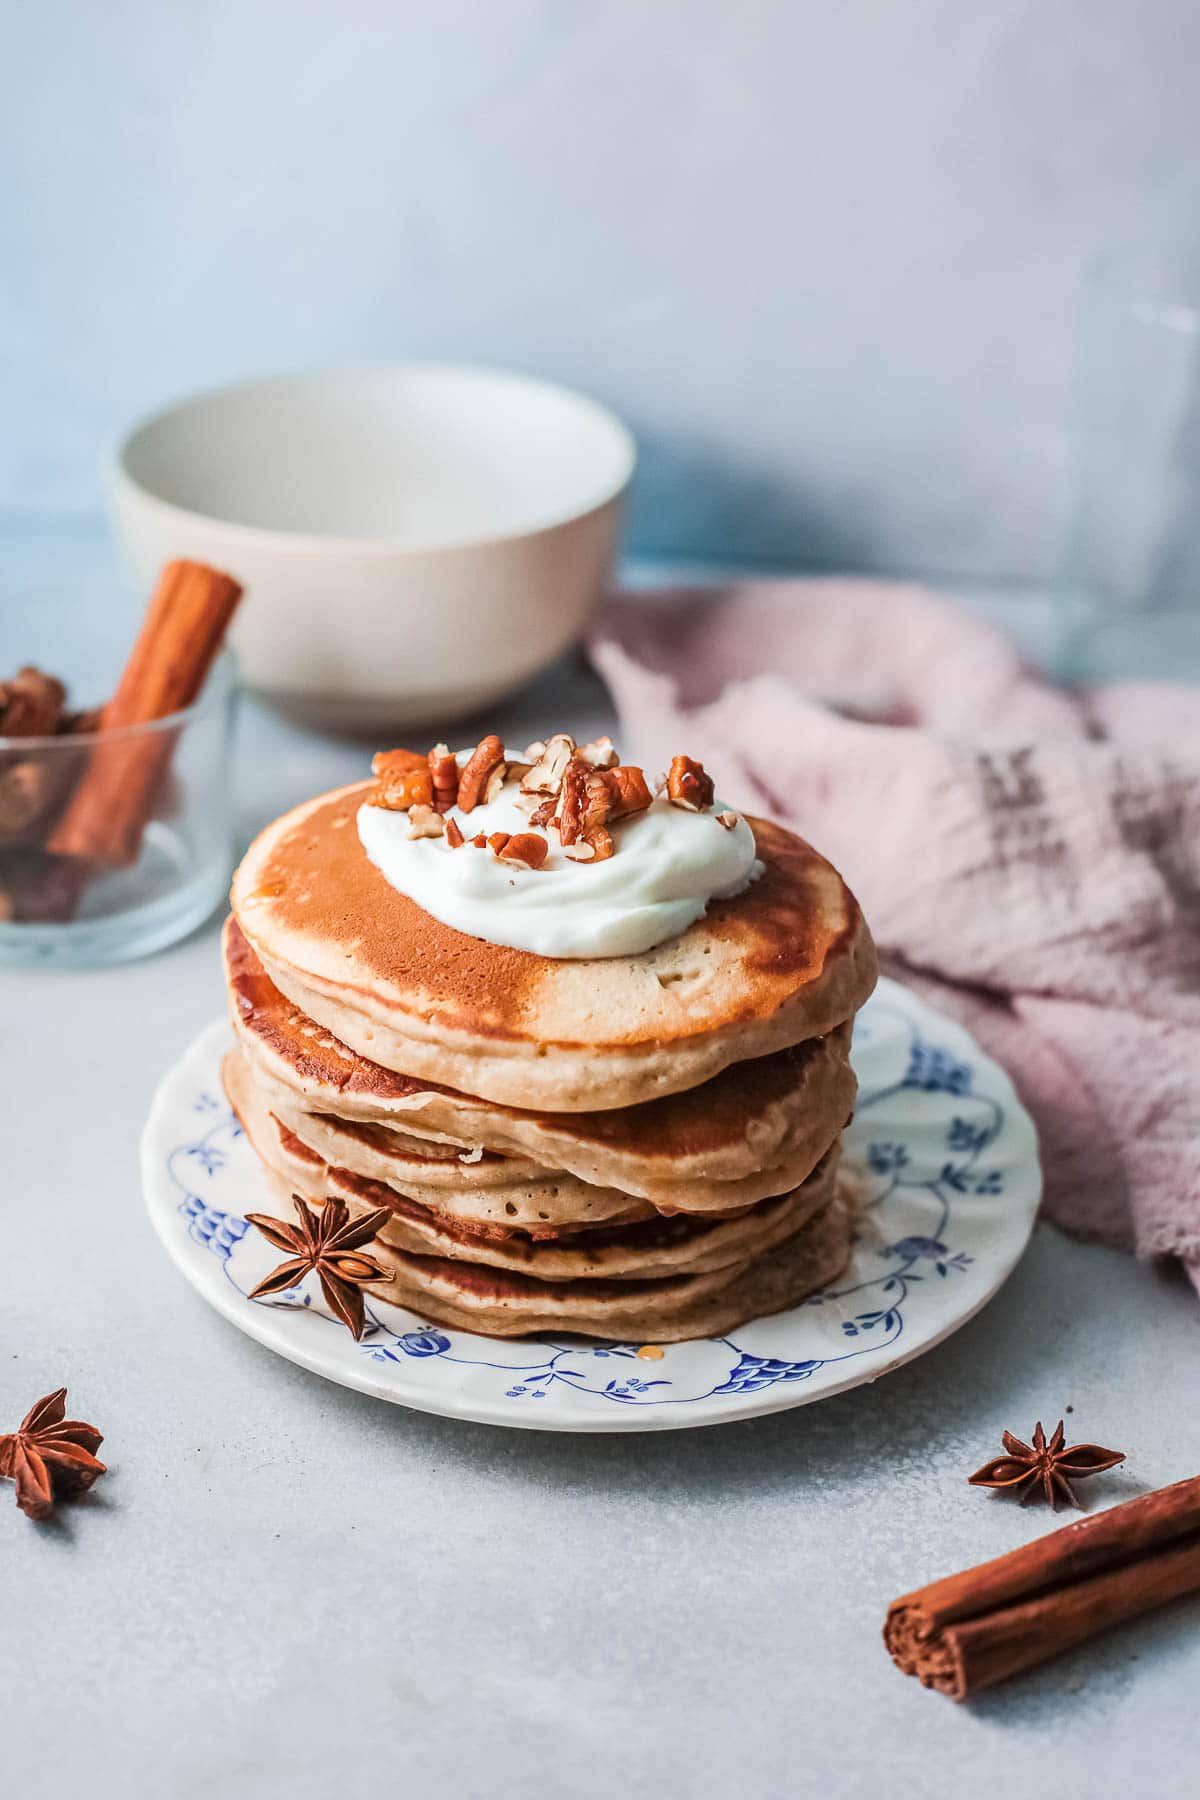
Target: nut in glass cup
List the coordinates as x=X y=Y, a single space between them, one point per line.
x=72 y=911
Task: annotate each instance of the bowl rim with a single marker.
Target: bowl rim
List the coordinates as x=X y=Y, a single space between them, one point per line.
x=120 y=477
x=221 y=685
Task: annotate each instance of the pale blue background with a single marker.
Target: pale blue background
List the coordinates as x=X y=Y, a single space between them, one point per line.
x=825 y=258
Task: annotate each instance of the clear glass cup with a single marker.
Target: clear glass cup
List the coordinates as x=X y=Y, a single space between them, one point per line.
x=1131 y=571
x=67 y=912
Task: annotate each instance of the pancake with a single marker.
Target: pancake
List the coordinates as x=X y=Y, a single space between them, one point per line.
x=556 y=1201
x=787 y=960
x=644 y=1249
x=757 y=1129
x=470 y=1296
x=541 y=1203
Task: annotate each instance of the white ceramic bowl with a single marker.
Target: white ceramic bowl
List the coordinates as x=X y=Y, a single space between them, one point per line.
x=414 y=541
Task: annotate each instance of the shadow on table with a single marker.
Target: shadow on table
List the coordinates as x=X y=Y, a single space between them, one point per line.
x=1092 y=1676
x=984 y=1379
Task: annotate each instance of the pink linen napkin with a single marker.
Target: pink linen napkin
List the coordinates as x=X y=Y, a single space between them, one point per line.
x=1028 y=856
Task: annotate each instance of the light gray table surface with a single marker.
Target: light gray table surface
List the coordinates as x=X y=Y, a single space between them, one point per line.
x=286 y=1589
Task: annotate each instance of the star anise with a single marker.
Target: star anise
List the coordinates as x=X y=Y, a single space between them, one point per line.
x=1049 y=1465
x=327 y=1242
x=49 y=1456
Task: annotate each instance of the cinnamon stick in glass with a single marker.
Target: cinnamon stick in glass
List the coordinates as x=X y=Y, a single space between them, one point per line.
x=973 y=1630
x=180 y=636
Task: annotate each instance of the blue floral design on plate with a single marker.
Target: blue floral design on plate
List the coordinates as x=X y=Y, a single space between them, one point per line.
x=940 y=1153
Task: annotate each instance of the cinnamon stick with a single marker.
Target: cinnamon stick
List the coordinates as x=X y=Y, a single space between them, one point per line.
x=180 y=636
x=972 y=1630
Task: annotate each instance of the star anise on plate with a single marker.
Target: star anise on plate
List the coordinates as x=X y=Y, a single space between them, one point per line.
x=330 y=1243
x=49 y=1455
x=1050 y=1465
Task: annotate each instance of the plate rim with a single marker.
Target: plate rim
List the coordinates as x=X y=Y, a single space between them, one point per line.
x=275 y=1327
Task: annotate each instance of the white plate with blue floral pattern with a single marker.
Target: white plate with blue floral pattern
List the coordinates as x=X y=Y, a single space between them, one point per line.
x=943 y=1152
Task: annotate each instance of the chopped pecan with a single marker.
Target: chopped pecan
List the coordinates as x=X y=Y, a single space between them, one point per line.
x=443 y=772
x=571 y=801
x=599 y=804
x=627 y=785
x=483 y=776
x=33 y=788
x=454 y=836
x=496 y=841
x=479 y=841
x=73 y=723
x=584 y=804
x=423 y=822
x=728 y=820
x=534 y=752
x=385 y=762
x=527 y=848
x=688 y=786
x=28 y=790
x=403 y=780
x=543 y=815
x=31 y=704
x=545 y=777
x=600 y=752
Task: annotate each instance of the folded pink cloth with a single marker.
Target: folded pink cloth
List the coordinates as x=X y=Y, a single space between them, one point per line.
x=1030 y=857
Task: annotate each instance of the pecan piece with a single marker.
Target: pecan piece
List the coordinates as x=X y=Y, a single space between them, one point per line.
x=600 y=753
x=423 y=822
x=402 y=780
x=584 y=804
x=728 y=820
x=688 y=786
x=527 y=849
x=629 y=791
x=31 y=704
x=545 y=777
x=454 y=836
x=443 y=772
x=483 y=776
x=571 y=800
x=385 y=762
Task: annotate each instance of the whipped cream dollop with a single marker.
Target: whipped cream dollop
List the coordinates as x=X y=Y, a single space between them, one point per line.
x=667 y=864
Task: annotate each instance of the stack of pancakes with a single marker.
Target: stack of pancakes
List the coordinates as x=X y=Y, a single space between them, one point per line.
x=640 y=1147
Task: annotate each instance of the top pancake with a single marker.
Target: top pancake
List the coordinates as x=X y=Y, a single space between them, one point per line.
x=788 y=959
